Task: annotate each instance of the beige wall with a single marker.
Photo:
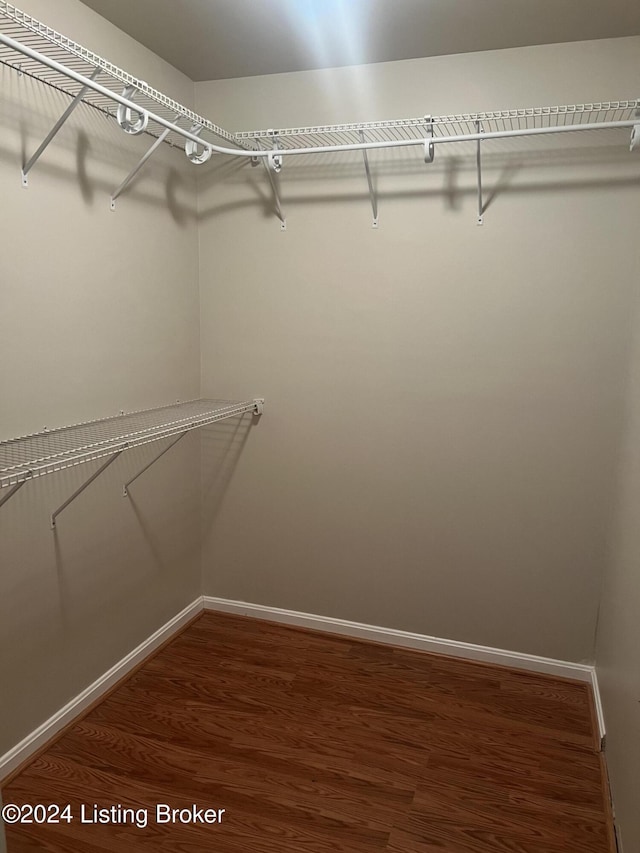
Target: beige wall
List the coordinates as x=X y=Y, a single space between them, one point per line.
x=98 y=313
x=618 y=640
x=444 y=400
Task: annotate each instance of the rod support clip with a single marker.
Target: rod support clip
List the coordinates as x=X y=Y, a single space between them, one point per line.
x=428 y=147
x=125 y=115
x=197 y=154
x=274 y=161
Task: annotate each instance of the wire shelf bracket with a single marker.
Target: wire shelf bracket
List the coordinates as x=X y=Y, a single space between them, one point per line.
x=116 y=193
x=480 y=219
x=372 y=194
x=125 y=488
x=273 y=165
x=54 y=131
x=86 y=483
x=31 y=456
x=635 y=133
x=11 y=492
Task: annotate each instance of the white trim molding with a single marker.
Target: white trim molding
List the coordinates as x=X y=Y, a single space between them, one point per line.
x=34 y=741
x=597 y=699
x=11 y=760
x=422 y=642
x=395 y=637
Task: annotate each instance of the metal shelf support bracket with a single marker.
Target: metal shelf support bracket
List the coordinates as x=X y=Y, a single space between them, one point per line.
x=635 y=134
x=372 y=194
x=273 y=165
x=125 y=488
x=480 y=220
x=141 y=162
x=54 y=131
x=88 y=482
x=259 y=403
x=11 y=492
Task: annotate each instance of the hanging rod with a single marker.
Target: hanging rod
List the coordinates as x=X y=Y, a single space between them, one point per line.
x=273 y=155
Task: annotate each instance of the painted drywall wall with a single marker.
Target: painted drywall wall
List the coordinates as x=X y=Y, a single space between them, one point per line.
x=618 y=640
x=98 y=313
x=444 y=401
x=3 y=839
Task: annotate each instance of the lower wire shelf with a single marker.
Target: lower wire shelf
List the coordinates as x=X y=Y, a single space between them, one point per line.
x=30 y=456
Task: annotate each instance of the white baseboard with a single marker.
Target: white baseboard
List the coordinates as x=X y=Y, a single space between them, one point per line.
x=453 y=648
x=597 y=698
x=565 y=669
x=26 y=748
x=422 y=642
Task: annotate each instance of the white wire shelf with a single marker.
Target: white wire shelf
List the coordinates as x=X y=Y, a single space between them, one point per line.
x=34 y=44
x=465 y=126
x=31 y=456
x=32 y=48
x=39 y=37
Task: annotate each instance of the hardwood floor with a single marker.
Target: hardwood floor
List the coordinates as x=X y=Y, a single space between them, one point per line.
x=315 y=743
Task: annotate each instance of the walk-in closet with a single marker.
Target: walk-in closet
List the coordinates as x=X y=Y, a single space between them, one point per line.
x=319 y=426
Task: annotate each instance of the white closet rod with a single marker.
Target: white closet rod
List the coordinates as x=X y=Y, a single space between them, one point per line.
x=319 y=149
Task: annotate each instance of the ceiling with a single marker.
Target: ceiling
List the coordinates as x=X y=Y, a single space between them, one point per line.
x=213 y=39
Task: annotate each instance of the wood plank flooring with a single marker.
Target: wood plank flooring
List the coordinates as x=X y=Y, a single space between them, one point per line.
x=315 y=743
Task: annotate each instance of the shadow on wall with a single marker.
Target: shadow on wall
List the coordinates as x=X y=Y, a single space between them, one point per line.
x=451 y=178
x=96 y=140
x=97 y=191
x=68 y=592
x=83 y=148
x=102 y=157
x=175 y=184
x=221 y=447
x=106 y=549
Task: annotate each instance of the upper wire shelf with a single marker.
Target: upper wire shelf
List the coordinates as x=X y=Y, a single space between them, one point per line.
x=467 y=125
x=41 y=453
x=36 y=49
x=39 y=37
x=34 y=44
